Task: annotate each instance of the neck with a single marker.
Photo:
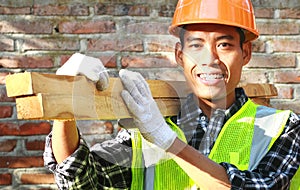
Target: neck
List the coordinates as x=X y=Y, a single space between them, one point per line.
x=208 y=106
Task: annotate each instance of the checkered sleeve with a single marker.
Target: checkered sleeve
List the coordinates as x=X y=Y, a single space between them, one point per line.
x=104 y=166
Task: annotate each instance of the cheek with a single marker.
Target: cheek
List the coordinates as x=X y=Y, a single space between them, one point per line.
x=234 y=63
x=188 y=63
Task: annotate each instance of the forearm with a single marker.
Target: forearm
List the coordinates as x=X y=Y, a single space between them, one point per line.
x=65 y=139
x=206 y=173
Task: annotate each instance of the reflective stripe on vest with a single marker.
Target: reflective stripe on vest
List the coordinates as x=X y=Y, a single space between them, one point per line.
x=246 y=151
x=248 y=135
x=251 y=124
x=137 y=167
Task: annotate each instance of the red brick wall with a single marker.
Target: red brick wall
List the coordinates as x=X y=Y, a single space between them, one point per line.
x=123 y=34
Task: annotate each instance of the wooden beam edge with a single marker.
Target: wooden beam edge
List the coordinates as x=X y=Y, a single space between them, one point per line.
x=62 y=106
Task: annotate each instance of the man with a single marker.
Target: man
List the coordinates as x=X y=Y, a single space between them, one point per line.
x=220 y=138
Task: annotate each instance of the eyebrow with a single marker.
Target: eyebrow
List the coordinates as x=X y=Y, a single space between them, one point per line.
x=227 y=37
x=190 y=39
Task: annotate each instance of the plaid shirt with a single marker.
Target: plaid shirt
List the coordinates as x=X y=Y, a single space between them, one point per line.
x=107 y=165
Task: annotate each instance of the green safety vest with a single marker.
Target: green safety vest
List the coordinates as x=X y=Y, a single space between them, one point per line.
x=253 y=129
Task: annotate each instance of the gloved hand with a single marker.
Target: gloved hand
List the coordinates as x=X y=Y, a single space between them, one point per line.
x=92 y=68
x=146 y=115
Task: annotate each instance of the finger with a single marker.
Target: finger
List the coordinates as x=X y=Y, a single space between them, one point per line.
x=129 y=102
x=126 y=81
x=143 y=86
x=132 y=85
x=136 y=84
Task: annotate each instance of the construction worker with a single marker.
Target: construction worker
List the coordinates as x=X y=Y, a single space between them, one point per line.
x=220 y=139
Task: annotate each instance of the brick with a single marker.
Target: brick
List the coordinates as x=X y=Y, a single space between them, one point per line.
x=166 y=10
x=146 y=62
x=108 y=61
x=139 y=10
x=37 y=178
x=3 y=95
x=287 y=77
x=286 y=45
x=285 y=92
x=272 y=61
x=2 y=78
x=160 y=44
x=6 y=111
x=8 y=145
x=61 y=10
x=293 y=13
x=5 y=179
x=25 y=129
x=126 y=44
x=6 y=45
x=87 y=27
x=51 y=44
x=14 y=10
x=277 y=27
x=148 y=28
x=111 y=9
x=258 y=46
x=276 y=4
x=16 y=3
x=260 y=77
x=35 y=145
x=26 y=62
x=287 y=105
x=122 y=9
x=262 y=12
x=21 y=162
x=26 y=26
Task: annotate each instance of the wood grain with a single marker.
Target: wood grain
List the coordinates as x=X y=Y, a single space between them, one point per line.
x=50 y=96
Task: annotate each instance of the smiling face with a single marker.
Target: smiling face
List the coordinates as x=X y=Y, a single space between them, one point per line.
x=212 y=58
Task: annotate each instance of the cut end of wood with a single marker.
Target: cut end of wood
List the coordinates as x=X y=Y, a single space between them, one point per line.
x=25 y=104
x=18 y=84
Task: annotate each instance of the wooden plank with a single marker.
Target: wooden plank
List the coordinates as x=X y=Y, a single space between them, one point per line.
x=63 y=106
x=260 y=90
x=50 y=96
x=30 y=83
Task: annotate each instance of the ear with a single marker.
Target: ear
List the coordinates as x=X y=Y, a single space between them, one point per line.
x=247 y=52
x=178 y=54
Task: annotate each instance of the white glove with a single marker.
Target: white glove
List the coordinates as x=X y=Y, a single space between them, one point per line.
x=146 y=115
x=92 y=68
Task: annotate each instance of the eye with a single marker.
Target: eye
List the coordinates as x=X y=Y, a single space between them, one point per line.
x=195 y=45
x=224 y=45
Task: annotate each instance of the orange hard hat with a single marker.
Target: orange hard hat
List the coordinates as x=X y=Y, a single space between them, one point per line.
x=238 y=13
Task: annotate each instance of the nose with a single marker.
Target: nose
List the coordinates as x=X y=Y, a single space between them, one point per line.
x=209 y=57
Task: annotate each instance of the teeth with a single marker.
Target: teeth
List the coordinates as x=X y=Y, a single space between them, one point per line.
x=211 y=76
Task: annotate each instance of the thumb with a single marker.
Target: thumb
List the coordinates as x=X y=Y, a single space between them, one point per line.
x=103 y=81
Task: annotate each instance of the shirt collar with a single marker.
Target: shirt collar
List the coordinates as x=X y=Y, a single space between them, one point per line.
x=190 y=111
